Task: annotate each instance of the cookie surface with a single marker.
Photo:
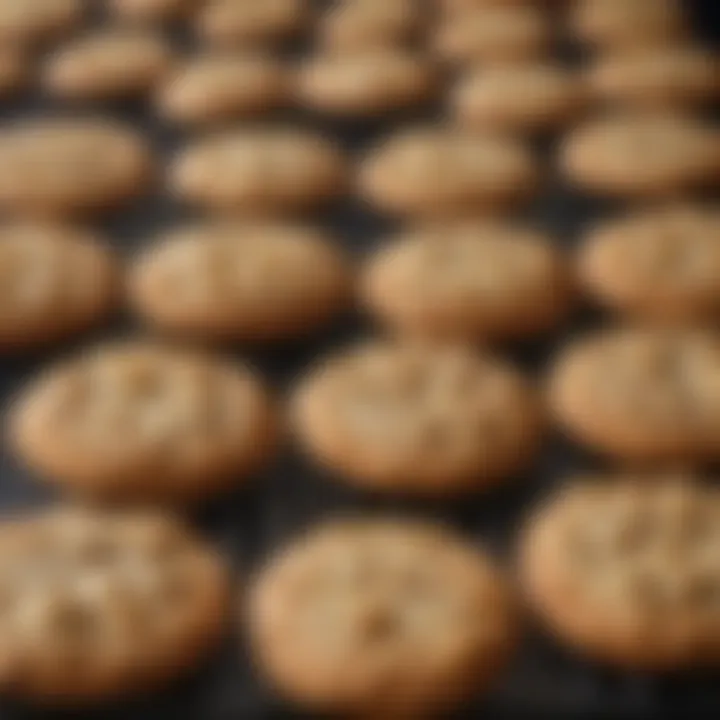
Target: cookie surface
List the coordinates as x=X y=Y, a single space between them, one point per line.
x=99 y=605
x=403 y=418
x=138 y=421
x=661 y=265
x=381 y=618
x=258 y=171
x=525 y=98
x=366 y=82
x=222 y=87
x=642 y=154
x=111 y=64
x=624 y=569
x=468 y=281
x=478 y=170
x=242 y=282
x=150 y=11
x=55 y=282
x=68 y=167
x=14 y=75
x=31 y=21
x=645 y=396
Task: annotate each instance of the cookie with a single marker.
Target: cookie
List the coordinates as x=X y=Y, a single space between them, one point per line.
x=526 y=98
x=259 y=171
x=624 y=570
x=55 y=281
x=134 y=421
x=641 y=395
x=60 y=166
x=229 y=23
x=468 y=281
x=30 y=22
x=478 y=171
x=646 y=155
x=414 y=419
x=108 y=65
x=628 y=24
x=659 y=265
x=366 y=83
x=682 y=77
x=241 y=282
x=14 y=72
x=100 y=605
x=381 y=618
x=223 y=87
x=493 y=35
x=150 y=11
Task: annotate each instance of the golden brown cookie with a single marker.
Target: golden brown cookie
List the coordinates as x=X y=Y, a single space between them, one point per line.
x=55 y=281
x=223 y=87
x=624 y=570
x=150 y=11
x=100 y=605
x=434 y=171
x=260 y=171
x=476 y=281
x=661 y=265
x=641 y=395
x=414 y=419
x=60 y=166
x=241 y=282
x=642 y=155
x=381 y=618
x=136 y=421
x=28 y=22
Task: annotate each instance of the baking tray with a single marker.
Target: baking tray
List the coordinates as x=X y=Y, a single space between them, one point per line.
x=291 y=495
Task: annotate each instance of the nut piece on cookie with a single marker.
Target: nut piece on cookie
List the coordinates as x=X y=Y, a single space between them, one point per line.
x=134 y=421
x=30 y=22
x=150 y=11
x=381 y=618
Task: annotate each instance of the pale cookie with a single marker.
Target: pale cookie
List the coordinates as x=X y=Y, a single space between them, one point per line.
x=418 y=420
x=494 y=34
x=14 y=71
x=241 y=282
x=462 y=6
x=223 y=87
x=99 y=605
x=525 y=98
x=230 y=23
x=642 y=155
x=134 y=421
x=665 y=77
x=625 y=570
x=476 y=281
x=660 y=265
x=260 y=171
x=28 y=22
x=382 y=618
x=150 y=11
x=108 y=65
x=54 y=282
x=66 y=167
x=645 y=396
x=366 y=83
x=433 y=171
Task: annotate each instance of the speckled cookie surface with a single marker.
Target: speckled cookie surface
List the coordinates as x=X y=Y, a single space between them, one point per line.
x=28 y=22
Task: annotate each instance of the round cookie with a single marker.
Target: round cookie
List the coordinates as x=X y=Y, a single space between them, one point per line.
x=641 y=395
x=150 y=11
x=366 y=83
x=108 y=65
x=71 y=166
x=14 y=71
x=420 y=620
x=478 y=171
x=525 y=98
x=682 y=77
x=28 y=22
x=642 y=155
x=259 y=171
x=493 y=35
x=624 y=569
x=223 y=87
x=229 y=23
x=414 y=419
x=470 y=281
x=55 y=281
x=661 y=265
x=135 y=421
x=100 y=605
x=238 y=282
